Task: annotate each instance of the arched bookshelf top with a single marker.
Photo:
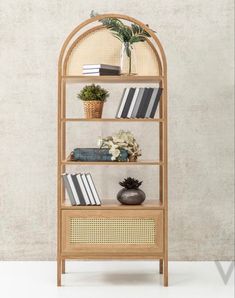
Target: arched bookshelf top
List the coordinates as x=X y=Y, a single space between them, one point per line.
x=91 y=43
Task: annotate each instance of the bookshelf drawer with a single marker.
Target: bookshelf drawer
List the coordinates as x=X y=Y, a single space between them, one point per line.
x=112 y=232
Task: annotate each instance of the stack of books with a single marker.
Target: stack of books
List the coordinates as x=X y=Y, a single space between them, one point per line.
x=96 y=154
x=139 y=103
x=81 y=189
x=100 y=70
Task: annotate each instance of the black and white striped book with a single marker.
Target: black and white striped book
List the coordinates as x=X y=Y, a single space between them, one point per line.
x=151 y=103
x=133 y=101
x=93 y=189
x=88 y=190
x=154 y=108
x=78 y=189
x=123 y=102
x=83 y=189
x=144 y=104
x=128 y=102
x=137 y=103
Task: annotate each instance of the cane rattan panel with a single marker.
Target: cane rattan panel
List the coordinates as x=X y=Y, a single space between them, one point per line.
x=112 y=230
x=101 y=47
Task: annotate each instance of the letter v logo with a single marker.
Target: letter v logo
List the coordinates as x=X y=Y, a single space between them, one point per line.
x=225 y=276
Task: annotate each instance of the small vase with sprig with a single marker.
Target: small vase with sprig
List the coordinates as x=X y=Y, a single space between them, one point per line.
x=130 y=194
x=129 y=36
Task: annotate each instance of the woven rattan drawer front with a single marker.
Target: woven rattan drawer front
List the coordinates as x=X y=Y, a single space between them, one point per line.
x=112 y=231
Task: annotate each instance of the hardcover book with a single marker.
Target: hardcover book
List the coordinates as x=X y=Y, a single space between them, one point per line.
x=154 y=109
x=142 y=103
x=87 y=187
x=84 y=193
x=73 y=189
x=137 y=103
x=78 y=190
x=93 y=189
x=123 y=102
x=133 y=103
x=96 y=154
x=101 y=72
x=145 y=104
x=128 y=103
x=103 y=66
x=151 y=103
x=68 y=189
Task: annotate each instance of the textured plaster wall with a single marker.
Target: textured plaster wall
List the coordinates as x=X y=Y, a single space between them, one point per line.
x=198 y=40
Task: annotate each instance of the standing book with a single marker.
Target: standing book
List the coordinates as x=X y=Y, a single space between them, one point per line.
x=68 y=189
x=73 y=189
x=146 y=103
x=88 y=190
x=137 y=103
x=142 y=103
x=154 y=109
x=151 y=103
x=128 y=103
x=133 y=102
x=122 y=102
x=78 y=190
x=93 y=189
x=80 y=181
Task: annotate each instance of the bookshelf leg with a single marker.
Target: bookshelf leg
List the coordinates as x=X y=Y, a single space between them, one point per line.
x=160 y=266
x=165 y=272
x=59 y=265
x=63 y=266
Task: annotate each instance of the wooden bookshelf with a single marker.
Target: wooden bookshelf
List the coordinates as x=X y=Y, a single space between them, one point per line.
x=151 y=218
x=113 y=163
x=112 y=79
x=147 y=205
x=111 y=120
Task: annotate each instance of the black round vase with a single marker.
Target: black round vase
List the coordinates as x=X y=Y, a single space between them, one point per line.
x=131 y=196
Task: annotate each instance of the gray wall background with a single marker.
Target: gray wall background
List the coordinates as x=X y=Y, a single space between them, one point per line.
x=198 y=40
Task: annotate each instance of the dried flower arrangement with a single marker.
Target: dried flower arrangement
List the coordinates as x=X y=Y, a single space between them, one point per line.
x=121 y=140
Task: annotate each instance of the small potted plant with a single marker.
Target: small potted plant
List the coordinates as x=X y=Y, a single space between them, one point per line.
x=93 y=97
x=130 y=194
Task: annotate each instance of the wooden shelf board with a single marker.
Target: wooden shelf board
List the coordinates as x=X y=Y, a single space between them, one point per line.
x=113 y=163
x=111 y=120
x=153 y=204
x=111 y=79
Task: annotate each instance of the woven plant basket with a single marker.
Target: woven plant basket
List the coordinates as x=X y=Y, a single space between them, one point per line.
x=93 y=109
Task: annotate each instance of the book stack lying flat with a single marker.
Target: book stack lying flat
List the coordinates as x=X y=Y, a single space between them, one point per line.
x=96 y=154
x=139 y=102
x=81 y=189
x=100 y=70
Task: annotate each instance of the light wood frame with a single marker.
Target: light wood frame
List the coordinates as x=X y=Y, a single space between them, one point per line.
x=158 y=206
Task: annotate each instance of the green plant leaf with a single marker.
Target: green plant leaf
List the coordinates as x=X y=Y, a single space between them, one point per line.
x=93 y=92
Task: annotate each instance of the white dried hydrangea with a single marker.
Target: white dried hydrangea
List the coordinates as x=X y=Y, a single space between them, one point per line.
x=121 y=140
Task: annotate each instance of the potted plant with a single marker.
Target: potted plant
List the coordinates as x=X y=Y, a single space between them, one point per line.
x=130 y=194
x=93 y=97
x=128 y=35
x=119 y=141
